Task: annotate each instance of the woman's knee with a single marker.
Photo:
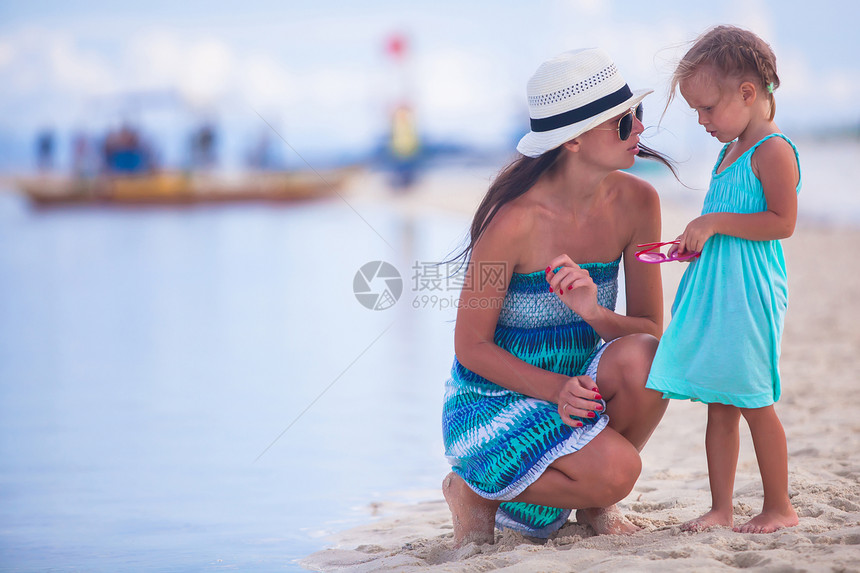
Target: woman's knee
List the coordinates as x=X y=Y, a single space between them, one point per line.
x=639 y=353
x=629 y=357
x=617 y=474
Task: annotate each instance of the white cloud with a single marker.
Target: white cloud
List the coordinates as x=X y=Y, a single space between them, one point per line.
x=451 y=81
x=588 y=7
x=205 y=72
x=334 y=104
x=207 y=68
x=796 y=75
x=464 y=93
x=335 y=87
x=813 y=93
x=201 y=70
x=337 y=82
x=266 y=82
x=7 y=53
x=35 y=61
x=753 y=15
x=151 y=59
x=839 y=87
x=77 y=70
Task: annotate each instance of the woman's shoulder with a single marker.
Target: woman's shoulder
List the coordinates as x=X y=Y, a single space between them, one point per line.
x=510 y=227
x=507 y=237
x=632 y=190
x=514 y=219
x=629 y=182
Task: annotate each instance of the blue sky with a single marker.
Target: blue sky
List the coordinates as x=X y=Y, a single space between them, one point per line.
x=319 y=73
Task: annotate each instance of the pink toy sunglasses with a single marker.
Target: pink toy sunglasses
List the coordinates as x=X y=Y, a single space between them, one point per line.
x=649 y=255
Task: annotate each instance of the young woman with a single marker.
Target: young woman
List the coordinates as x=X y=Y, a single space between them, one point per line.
x=541 y=416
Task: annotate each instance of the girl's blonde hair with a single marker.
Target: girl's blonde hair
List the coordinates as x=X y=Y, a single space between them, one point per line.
x=736 y=53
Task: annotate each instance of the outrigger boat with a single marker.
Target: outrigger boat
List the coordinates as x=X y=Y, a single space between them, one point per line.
x=178 y=188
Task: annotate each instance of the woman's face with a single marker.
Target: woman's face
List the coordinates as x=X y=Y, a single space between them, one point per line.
x=603 y=143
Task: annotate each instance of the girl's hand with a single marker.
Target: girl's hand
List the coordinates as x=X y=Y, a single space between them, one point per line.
x=573 y=285
x=694 y=237
x=576 y=398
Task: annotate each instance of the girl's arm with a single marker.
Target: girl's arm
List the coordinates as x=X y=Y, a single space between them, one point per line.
x=643 y=282
x=488 y=276
x=775 y=164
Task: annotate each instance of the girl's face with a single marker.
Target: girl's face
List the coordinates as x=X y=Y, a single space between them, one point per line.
x=720 y=108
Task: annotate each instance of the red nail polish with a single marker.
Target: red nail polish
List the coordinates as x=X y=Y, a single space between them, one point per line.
x=561 y=291
x=594 y=389
x=548 y=269
x=598 y=407
x=579 y=424
x=598 y=397
x=550 y=289
x=569 y=287
x=591 y=414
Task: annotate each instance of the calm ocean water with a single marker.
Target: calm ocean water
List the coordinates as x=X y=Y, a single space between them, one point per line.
x=148 y=357
x=187 y=389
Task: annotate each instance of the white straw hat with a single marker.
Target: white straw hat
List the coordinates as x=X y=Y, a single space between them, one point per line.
x=572 y=93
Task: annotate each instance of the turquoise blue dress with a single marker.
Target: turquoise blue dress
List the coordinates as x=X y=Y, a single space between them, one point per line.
x=723 y=342
x=501 y=441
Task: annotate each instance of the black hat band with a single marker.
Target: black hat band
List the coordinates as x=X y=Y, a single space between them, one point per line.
x=582 y=113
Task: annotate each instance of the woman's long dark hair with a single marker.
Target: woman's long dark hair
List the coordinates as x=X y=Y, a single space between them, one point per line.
x=518 y=177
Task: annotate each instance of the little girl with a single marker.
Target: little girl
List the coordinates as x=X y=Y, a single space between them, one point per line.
x=722 y=346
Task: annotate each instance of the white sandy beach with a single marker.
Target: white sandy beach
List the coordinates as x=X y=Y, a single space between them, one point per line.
x=820 y=410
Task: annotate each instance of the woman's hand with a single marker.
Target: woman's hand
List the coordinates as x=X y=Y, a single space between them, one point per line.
x=573 y=285
x=576 y=398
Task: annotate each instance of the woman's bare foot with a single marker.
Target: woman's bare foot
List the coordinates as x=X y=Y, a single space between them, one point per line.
x=474 y=517
x=606 y=521
x=769 y=521
x=711 y=519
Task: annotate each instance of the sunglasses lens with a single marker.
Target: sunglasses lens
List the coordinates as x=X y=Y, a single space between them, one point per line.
x=651 y=257
x=625 y=126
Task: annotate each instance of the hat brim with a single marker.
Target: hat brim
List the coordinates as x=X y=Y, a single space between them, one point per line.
x=535 y=144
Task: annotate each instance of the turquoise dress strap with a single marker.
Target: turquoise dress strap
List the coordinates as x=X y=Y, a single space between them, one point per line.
x=751 y=151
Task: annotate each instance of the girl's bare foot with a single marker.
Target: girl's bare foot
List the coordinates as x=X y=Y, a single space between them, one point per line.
x=606 y=520
x=474 y=517
x=711 y=519
x=769 y=521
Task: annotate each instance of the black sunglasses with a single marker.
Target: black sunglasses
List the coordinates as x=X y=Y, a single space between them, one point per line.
x=625 y=122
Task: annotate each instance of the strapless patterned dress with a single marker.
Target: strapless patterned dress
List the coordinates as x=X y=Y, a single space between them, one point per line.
x=501 y=441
